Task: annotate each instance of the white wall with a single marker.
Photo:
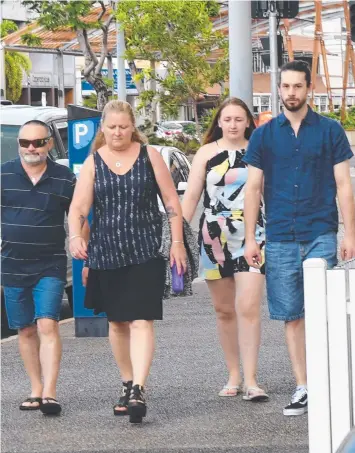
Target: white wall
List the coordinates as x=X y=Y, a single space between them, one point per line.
x=44 y=72
x=13 y=10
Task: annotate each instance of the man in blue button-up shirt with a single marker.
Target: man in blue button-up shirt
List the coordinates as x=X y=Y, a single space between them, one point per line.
x=303 y=160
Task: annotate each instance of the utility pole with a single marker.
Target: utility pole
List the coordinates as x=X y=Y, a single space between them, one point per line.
x=240 y=51
x=2 y=72
x=121 y=69
x=273 y=58
x=287 y=9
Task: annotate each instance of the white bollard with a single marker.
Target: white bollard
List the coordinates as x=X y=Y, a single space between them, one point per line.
x=315 y=299
x=338 y=344
x=351 y=312
x=330 y=346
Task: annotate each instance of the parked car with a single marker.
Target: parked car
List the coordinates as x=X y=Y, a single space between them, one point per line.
x=14 y=116
x=173 y=129
x=178 y=164
x=168 y=129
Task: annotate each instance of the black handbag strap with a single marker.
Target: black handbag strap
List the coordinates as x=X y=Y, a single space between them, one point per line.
x=150 y=166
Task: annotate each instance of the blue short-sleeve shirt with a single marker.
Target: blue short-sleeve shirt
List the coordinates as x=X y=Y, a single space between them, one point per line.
x=300 y=187
x=32 y=223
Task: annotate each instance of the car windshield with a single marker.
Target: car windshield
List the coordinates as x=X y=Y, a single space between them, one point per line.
x=9 y=147
x=172 y=126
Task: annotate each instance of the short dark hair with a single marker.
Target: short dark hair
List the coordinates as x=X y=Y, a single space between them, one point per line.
x=37 y=123
x=299 y=66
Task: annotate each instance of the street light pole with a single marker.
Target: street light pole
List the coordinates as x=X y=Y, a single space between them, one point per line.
x=240 y=51
x=273 y=58
x=121 y=69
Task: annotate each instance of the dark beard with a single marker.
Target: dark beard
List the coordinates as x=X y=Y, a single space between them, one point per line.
x=294 y=108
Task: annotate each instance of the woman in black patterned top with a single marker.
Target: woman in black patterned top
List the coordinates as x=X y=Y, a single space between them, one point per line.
x=125 y=276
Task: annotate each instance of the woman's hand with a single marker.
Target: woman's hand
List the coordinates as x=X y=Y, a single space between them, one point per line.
x=78 y=248
x=84 y=275
x=178 y=256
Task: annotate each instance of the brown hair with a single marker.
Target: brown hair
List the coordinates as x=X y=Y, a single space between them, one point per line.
x=214 y=132
x=118 y=107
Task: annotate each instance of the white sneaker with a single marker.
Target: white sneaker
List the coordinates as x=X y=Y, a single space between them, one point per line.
x=299 y=402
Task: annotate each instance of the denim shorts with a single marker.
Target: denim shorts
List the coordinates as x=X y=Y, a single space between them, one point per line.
x=284 y=273
x=25 y=305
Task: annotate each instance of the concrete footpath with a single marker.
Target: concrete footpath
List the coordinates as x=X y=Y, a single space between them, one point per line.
x=185 y=413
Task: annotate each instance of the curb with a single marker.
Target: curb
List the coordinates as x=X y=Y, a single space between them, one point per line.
x=14 y=337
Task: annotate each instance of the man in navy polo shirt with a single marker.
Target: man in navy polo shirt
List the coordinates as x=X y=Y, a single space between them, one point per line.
x=36 y=194
x=303 y=158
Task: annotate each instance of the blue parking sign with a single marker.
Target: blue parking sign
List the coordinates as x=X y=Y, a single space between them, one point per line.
x=83 y=133
x=82 y=127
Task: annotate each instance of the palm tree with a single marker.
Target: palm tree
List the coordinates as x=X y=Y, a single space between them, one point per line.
x=15 y=64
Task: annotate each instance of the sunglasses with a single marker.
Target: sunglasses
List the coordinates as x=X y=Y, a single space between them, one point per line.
x=37 y=143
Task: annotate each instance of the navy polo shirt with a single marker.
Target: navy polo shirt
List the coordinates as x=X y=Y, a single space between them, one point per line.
x=32 y=223
x=300 y=187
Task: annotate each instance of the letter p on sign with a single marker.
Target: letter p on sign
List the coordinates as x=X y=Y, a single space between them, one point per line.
x=80 y=131
x=83 y=133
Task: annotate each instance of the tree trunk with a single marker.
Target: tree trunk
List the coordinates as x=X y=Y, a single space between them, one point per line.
x=91 y=64
x=139 y=84
x=101 y=91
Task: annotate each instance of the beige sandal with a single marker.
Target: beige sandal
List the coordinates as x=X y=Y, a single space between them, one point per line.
x=255 y=394
x=229 y=391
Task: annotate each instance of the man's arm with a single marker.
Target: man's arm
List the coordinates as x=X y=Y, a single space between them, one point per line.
x=253 y=191
x=347 y=207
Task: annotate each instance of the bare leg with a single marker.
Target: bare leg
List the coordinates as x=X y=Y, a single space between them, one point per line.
x=50 y=354
x=295 y=338
x=29 y=350
x=250 y=288
x=119 y=334
x=142 y=349
x=223 y=297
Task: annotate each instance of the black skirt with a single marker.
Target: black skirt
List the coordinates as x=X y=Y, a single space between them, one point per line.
x=127 y=293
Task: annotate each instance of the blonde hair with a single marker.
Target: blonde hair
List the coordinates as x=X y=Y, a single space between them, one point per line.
x=117 y=107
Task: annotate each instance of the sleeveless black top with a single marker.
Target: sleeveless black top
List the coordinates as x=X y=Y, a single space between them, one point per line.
x=127 y=226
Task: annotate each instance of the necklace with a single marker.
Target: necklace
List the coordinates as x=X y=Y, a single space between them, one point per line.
x=117 y=163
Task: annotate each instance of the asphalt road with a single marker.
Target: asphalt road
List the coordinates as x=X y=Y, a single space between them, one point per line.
x=185 y=414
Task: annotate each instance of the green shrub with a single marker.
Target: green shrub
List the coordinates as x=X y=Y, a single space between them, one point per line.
x=348 y=123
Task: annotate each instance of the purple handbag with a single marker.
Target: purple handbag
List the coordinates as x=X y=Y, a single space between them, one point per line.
x=177 y=282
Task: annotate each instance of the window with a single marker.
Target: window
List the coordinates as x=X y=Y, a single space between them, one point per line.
x=9 y=146
x=265 y=103
x=62 y=129
x=184 y=165
x=176 y=170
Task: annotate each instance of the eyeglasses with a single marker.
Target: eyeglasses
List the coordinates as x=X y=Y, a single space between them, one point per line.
x=37 y=143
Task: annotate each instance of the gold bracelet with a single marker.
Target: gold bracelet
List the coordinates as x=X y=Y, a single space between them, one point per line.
x=75 y=236
x=178 y=242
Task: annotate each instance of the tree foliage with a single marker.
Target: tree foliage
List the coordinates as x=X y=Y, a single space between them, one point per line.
x=179 y=33
x=16 y=64
x=7 y=27
x=31 y=40
x=71 y=14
